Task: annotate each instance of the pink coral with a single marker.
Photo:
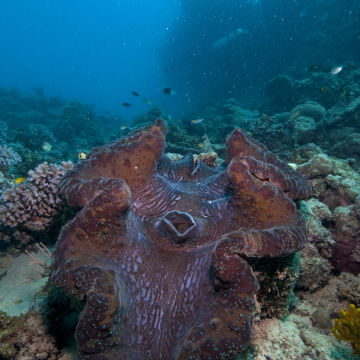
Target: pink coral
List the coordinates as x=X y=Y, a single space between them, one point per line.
x=35 y=202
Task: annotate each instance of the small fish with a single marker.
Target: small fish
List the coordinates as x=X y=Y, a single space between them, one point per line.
x=335 y=70
x=197 y=121
x=303 y=12
x=123 y=127
x=228 y=38
x=19 y=180
x=135 y=93
x=149 y=102
x=249 y=133
x=324 y=16
x=46 y=146
x=293 y=166
x=201 y=145
x=168 y=91
x=314 y=68
x=82 y=155
x=324 y=89
x=294 y=115
x=126 y=104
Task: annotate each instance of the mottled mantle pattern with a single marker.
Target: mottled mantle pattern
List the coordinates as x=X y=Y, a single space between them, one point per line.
x=159 y=249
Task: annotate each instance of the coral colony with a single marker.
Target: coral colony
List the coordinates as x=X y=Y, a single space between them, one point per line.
x=34 y=203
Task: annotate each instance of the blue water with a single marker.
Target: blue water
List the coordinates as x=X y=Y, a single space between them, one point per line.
x=93 y=51
x=98 y=52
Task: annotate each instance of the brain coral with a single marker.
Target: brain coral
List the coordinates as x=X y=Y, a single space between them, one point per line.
x=158 y=251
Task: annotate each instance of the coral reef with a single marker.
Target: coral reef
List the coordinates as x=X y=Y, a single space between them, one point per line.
x=295 y=339
x=14 y=240
x=8 y=157
x=306 y=332
x=334 y=181
x=3 y=132
x=346 y=254
x=315 y=270
x=76 y=119
x=307 y=118
x=173 y=238
x=336 y=186
x=348 y=148
x=348 y=288
x=41 y=128
x=321 y=87
x=305 y=129
x=317 y=214
x=309 y=109
x=280 y=91
x=277 y=278
x=35 y=202
x=222 y=119
x=33 y=136
x=321 y=108
x=25 y=338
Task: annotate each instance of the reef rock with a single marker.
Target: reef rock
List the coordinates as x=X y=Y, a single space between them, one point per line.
x=305 y=129
x=280 y=91
x=334 y=182
x=348 y=147
x=295 y=339
x=348 y=288
x=315 y=270
x=339 y=115
x=347 y=249
x=310 y=109
x=317 y=214
x=159 y=250
x=25 y=337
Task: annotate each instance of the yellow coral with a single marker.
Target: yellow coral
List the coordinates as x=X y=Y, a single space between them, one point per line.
x=348 y=327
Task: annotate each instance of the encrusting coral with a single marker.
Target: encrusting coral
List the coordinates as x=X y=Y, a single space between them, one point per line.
x=34 y=202
x=159 y=250
x=348 y=327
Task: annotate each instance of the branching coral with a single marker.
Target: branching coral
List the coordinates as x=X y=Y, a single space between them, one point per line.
x=348 y=327
x=8 y=157
x=34 y=202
